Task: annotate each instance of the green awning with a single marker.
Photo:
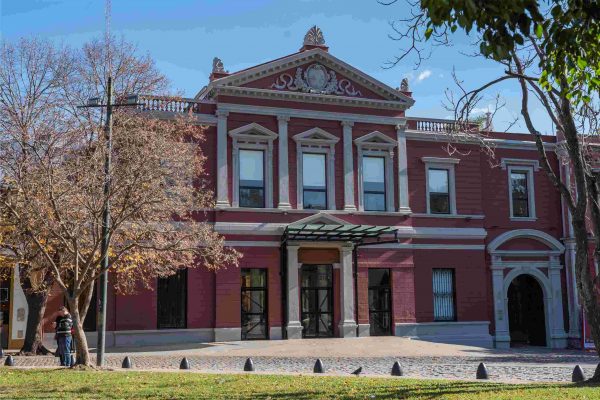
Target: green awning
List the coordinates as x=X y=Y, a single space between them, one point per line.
x=335 y=233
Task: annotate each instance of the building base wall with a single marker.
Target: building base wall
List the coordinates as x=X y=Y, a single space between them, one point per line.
x=474 y=333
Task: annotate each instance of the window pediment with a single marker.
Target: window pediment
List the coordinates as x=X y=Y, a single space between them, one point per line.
x=253 y=132
x=316 y=136
x=376 y=140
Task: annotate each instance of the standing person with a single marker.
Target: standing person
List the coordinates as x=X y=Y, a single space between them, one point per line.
x=63 y=326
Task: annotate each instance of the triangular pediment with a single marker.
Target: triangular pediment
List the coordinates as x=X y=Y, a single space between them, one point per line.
x=310 y=72
x=316 y=135
x=376 y=139
x=253 y=131
x=321 y=219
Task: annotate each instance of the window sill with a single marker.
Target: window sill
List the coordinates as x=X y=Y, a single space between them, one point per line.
x=451 y=216
x=309 y=211
x=524 y=219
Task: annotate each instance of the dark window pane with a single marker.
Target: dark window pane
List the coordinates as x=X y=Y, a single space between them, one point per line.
x=439 y=203
x=252 y=197
x=443 y=295
x=314 y=199
x=374 y=201
x=520 y=193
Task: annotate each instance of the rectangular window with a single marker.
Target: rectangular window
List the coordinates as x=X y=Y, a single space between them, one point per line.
x=519 y=193
x=314 y=181
x=172 y=301
x=252 y=178
x=439 y=190
x=443 y=295
x=254 y=304
x=373 y=171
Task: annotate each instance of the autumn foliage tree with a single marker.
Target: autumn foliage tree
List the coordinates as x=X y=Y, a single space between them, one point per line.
x=54 y=196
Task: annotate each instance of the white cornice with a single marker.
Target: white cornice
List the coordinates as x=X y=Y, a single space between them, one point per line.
x=310 y=114
x=271 y=228
x=237 y=91
x=398 y=246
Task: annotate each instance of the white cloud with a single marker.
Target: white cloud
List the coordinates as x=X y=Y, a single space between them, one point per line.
x=424 y=75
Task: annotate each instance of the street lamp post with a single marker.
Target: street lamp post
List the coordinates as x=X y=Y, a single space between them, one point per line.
x=101 y=319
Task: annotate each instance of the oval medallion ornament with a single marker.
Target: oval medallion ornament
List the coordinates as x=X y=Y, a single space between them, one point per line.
x=316 y=77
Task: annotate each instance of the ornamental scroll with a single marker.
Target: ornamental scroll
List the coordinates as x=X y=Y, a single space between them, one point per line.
x=316 y=79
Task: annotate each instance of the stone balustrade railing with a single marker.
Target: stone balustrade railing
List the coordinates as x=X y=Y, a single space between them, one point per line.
x=168 y=104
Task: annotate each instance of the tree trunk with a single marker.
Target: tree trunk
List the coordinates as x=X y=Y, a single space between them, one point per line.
x=37 y=299
x=83 y=351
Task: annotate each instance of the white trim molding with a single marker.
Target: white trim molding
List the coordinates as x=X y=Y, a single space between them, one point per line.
x=376 y=144
x=442 y=163
x=349 y=204
x=505 y=162
x=253 y=137
x=222 y=172
x=553 y=243
x=316 y=140
x=545 y=271
x=529 y=171
x=283 y=163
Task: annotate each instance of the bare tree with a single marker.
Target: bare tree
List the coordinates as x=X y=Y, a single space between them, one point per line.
x=55 y=196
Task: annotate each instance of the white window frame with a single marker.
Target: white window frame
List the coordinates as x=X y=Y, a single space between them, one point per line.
x=529 y=170
x=318 y=141
x=253 y=137
x=377 y=144
x=449 y=165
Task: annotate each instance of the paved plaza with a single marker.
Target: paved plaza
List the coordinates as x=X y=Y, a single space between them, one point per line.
x=376 y=356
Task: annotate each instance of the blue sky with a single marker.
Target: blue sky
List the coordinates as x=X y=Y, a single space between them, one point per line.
x=183 y=36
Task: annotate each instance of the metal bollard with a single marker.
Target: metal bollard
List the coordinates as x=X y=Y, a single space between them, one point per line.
x=9 y=362
x=126 y=362
x=482 y=372
x=249 y=365
x=397 y=369
x=578 y=375
x=319 y=369
x=185 y=364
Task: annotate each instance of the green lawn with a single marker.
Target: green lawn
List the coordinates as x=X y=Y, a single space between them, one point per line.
x=63 y=384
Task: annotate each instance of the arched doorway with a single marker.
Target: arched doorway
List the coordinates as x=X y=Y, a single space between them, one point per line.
x=526 y=314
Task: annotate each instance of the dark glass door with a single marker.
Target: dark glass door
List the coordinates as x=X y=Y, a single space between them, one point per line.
x=380 y=302
x=317 y=301
x=172 y=301
x=254 y=304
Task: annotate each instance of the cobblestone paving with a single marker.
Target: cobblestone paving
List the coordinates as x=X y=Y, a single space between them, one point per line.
x=518 y=368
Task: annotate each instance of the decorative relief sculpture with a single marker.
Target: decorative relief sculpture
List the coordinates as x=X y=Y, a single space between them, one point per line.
x=218 y=65
x=314 y=37
x=316 y=79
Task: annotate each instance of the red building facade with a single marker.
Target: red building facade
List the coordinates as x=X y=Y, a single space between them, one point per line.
x=354 y=220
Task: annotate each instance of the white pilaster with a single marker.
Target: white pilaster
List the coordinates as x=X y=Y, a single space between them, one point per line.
x=403 y=200
x=284 y=179
x=293 y=327
x=349 y=204
x=502 y=337
x=222 y=172
x=558 y=336
x=348 y=324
